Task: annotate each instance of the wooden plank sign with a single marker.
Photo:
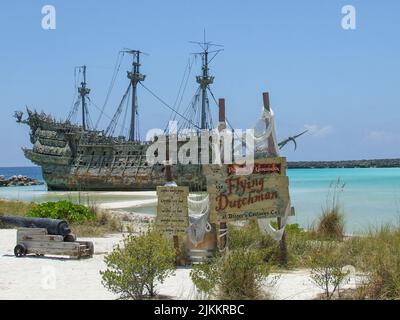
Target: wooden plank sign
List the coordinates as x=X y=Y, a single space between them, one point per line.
x=172 y=210
x=239 y=192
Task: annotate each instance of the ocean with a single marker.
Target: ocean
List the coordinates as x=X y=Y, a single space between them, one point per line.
x=370 y=197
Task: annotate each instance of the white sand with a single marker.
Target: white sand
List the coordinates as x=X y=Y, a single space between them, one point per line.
x=62 y=278
x=128 y=204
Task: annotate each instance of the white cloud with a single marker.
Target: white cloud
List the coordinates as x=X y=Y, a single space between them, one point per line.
x=317 y=131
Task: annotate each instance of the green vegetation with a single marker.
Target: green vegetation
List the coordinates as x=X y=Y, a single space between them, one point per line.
x=104 y=223
x=63 y=210
x=134 y=268
x=236 y=275
x=250 y=236
x=327 y=268
x=84 y=222
x=8 y=207
x=377 y=255
x=331 y=222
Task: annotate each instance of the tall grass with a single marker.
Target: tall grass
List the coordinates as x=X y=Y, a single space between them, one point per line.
x=331 y=222
x=104 y=222
x=377 y=254
x=19 y=208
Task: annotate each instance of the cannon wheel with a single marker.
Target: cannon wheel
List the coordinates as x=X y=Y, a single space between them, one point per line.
x=70 y=238
x=20 y=250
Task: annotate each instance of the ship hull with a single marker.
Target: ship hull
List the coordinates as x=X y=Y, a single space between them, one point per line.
x=77 y=160
x=62 y=180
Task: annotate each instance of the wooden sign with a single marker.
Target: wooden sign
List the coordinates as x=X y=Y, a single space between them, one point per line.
x=244 y=192
x=172 y=210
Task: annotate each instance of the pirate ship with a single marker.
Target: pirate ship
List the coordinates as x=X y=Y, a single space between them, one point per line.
x=81 y=157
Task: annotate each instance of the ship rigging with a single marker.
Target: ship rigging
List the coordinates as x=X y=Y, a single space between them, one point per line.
x=197 y=115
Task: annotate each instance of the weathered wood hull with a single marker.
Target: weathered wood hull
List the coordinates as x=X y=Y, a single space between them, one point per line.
x=73 y=159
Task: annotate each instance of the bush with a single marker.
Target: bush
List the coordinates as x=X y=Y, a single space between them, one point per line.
x=250 y=236
x=237 y=275
x=64 y=210
x=327 y=268
x=300 y=246
x=134 y=268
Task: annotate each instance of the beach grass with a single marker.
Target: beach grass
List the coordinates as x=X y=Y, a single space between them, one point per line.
x=376 y=253
x=103 y=224
x=19 y=208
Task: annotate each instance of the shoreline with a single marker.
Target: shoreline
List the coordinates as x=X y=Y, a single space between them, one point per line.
x=311 y=164
x=345 y=164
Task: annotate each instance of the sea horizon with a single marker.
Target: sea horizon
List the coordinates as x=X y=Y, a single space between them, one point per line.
x=288 y=161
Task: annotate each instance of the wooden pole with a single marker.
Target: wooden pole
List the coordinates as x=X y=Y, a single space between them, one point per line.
x=223 y=227
x=271 y=148
x=177 y=253
x=168 y=174
x=168 y=177
x=282 y=242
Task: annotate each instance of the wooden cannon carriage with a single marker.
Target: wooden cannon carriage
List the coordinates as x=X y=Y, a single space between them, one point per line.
x=47 y=237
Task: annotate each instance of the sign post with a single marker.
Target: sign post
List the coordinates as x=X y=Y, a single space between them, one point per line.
x=172 y=213
x=282 y=242
x=263 y=192
x=240 y=192
x=172 y=208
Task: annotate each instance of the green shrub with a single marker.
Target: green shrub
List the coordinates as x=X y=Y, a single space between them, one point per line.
x=300 y=247
x=237 y=275
x=250 y=236
x=134 y=268
x=64 y=210
x=327 y=268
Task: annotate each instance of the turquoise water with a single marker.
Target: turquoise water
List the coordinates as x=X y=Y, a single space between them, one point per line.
x=370 y=196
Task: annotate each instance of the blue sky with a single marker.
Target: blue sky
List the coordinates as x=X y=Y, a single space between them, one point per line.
x=343 y=85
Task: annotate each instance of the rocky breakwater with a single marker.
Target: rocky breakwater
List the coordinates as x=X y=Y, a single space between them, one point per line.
x=19 y=180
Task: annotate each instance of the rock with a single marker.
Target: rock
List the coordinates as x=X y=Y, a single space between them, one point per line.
x=18 y=180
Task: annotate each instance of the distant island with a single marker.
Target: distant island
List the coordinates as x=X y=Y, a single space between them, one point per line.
x=376 y=163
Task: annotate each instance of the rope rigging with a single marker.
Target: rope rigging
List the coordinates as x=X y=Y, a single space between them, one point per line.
x=167 y=105
x=114 y=121
x=110 y=88
x=121 y=133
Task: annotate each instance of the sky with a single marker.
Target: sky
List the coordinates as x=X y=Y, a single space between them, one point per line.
x=342 y=85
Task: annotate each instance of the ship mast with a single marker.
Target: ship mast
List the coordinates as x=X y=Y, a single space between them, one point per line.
x=83 y=92
x=204 y=80
x=135 y=76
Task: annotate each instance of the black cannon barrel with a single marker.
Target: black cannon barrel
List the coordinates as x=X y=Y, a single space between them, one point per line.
x=53 y=226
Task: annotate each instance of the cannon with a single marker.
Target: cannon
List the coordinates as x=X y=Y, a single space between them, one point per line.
x=42 y=236
x=53 y=226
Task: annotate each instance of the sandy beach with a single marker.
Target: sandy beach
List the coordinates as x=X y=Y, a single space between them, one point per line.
x=46 y=278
